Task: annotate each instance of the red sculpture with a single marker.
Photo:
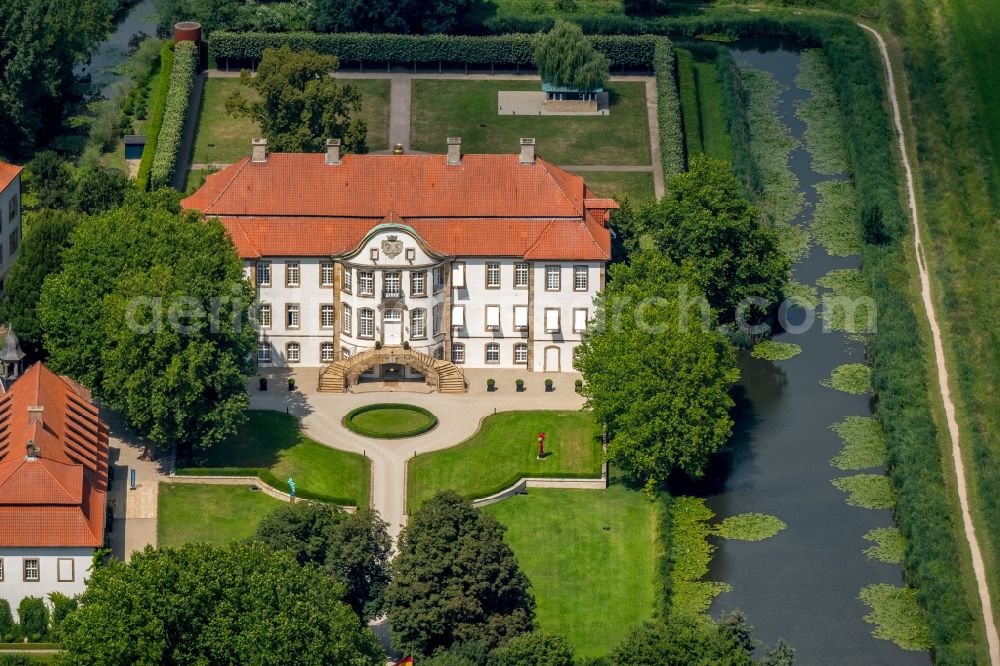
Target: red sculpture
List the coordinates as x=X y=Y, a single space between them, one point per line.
x=541 y=445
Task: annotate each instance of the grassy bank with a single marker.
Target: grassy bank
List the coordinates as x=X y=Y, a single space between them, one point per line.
x=210 y=514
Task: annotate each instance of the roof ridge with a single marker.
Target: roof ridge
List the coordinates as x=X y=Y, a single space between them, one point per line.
x=593 y=240
x=545 y=167
x=540 y=238
x=236 y=172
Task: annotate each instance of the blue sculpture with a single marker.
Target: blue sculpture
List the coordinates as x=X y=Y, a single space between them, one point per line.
x=291 y=486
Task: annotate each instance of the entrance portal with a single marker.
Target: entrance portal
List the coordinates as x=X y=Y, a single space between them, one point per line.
x=392 y=327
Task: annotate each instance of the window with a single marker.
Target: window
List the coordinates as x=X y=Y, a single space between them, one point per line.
x=579 y=320
x=521 y=274
x=65 y=570
x=13 y=208
x=264 y=352
x=492 y=317
x=1 y=569
x=292 y=352
x=580 y=278
x=366 y=323
x=552 y=278
x=493 y=352
x=520 y=317
x=520 y=353
x=326 y=352
x=438 y=278
x=326 y=316
x=292 y=315
x=418 y=283
x=264 y=315
x=292 y=271
x=326 y=275
x=346 y=320
x=492 y=276
x=551 y=320
x=418 y=323
x=31 y=570
x=392 y=284
x=458 y=274
x=13 y=240
x=458 y=353
x=457 y=316
x=366 y=283
x=436 y=319
x=263 y=273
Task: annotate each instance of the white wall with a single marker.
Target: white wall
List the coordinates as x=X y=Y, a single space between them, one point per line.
x=14 y=588
x=10 y=227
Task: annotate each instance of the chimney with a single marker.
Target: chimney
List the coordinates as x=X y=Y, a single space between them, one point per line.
x=31 y=451
x=35 y=414
x=527 y=151
x=258 y=150
x=454 y=151
x=333 y=151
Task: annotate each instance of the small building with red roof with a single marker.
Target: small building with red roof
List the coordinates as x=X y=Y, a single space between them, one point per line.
x=475 y=260
x=10 y=218
x=53 y=486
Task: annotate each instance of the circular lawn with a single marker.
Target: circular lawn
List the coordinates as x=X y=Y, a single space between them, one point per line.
x=390 y=420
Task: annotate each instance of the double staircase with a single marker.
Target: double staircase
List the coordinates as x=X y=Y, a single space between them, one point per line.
x=337 y=376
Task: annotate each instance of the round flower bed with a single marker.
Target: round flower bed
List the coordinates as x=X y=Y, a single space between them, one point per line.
x=389 y=420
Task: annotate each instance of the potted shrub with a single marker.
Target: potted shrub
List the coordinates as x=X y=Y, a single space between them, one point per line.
x=378 y=344
x=520 y=385
x=406 y=344
x=548 y=385
x=263 y=383
x=579 y=385
x=491 y=385
x=291 y=383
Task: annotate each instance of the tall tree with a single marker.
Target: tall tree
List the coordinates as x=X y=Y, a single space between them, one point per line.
x=98 y=190
x=149 y=310
x=199 y=604
x=46 y=237
x=704 y=221
x=300 y=104
x=657 y=373
x=48 y=182
x=565 y=57
x=533 y=649
x=691 y=641
x=456 y=580
x=354 y=549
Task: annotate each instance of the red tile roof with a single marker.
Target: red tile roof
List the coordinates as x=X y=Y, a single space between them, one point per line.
x=56 y=499
x=489 y=205
x=8 y=172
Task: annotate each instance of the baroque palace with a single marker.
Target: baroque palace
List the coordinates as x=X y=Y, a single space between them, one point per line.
x=406 y=265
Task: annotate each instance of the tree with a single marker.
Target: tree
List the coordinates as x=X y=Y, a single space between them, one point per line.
x=34 y=618
x=705 y=222
x=149 y=311
x=8 y=628
x=300 y=104
x=353 y=549
x=237 y=604
x=681 y=641
x=62 y=606
x=48 y=182
x=46 y=238
x=456 y=580
x=98 y=190
x=565 y=57
x=655 y=373
x=533 y=649
x=402 y=16
x=781 y=655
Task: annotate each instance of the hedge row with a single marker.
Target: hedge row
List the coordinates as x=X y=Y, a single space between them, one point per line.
x=512 y=49
x=156 y=117
x=268 y=477
x=734 y=110
x=171 y=135
x=668 y=109
x=900 y=376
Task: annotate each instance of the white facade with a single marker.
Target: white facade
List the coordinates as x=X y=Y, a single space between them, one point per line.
x=392 y=289
x=38 y=572
x=10 y=227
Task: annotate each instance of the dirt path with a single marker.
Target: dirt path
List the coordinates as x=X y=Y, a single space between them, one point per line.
x=942 y=369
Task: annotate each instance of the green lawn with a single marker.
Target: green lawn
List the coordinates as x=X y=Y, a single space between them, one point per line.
x=222 y=139
x=272 y=443
x=714 y=136
x=468 y=109
x=504 y=450
x=390 y=421
x=591 y=583
x=196 y=178
x=213 y=514
x=638 y=185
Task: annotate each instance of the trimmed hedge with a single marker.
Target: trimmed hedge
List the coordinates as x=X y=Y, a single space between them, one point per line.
x=377 y=434
x=156 y=117
x=178 y=98
x=270 y=479
x=511 y=49
x=668 y=109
